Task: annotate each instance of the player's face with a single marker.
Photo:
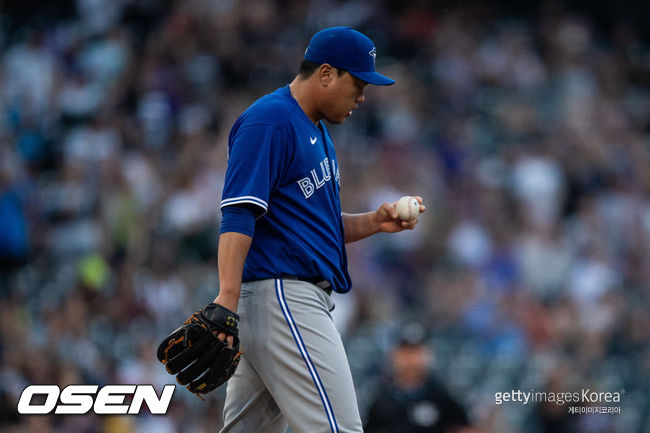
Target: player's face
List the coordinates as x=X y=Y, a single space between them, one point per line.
x=411 y=361
x=345 y=93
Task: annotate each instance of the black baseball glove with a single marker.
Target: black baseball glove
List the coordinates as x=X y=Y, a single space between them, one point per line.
x=201 y=361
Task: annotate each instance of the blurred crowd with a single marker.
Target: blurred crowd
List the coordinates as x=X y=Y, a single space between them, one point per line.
x=528 y=138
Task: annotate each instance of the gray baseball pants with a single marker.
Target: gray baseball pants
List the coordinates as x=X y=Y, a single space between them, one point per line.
x=294 y=370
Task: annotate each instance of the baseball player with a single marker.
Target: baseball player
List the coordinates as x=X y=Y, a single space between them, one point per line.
x=282 y=252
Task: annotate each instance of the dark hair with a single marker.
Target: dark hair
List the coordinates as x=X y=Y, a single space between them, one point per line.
x=307 y=68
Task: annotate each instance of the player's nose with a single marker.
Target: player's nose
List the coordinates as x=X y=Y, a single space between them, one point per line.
x=360 y=99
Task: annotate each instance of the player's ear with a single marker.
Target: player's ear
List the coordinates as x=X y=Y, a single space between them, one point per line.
x=325 y=74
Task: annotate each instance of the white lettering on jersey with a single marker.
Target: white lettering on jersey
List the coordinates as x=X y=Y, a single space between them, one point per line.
x=335 y=170
x=306 y=186
x=319 y=182
x=325 y=168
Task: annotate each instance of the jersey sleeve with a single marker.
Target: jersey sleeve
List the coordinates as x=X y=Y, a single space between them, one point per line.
x=255 y=162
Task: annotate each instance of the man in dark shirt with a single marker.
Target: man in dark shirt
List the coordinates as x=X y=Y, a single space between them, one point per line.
x=413 y=401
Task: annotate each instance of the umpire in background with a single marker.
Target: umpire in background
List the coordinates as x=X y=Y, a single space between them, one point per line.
x=411 y=400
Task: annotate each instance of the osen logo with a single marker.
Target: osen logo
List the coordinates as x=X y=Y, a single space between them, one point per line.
x=79 y=399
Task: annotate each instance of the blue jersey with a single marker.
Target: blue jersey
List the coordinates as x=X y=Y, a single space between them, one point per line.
x=284 y=166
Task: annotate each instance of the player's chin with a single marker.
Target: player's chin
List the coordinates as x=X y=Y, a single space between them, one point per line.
x=340 y=118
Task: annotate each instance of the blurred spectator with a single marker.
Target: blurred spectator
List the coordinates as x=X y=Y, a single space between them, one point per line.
x=14 y=242
x=413 y=400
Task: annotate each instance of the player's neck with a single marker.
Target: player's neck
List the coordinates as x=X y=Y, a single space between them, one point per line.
x=300 y=92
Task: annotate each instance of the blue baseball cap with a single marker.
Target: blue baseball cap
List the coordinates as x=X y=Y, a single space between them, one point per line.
x=346 y=48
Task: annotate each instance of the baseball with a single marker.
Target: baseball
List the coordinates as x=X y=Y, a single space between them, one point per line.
x=408 y=208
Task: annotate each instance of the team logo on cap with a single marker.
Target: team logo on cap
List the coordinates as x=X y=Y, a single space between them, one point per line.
x=373 y=53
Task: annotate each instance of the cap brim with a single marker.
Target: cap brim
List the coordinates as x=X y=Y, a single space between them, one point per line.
x=373 y=78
